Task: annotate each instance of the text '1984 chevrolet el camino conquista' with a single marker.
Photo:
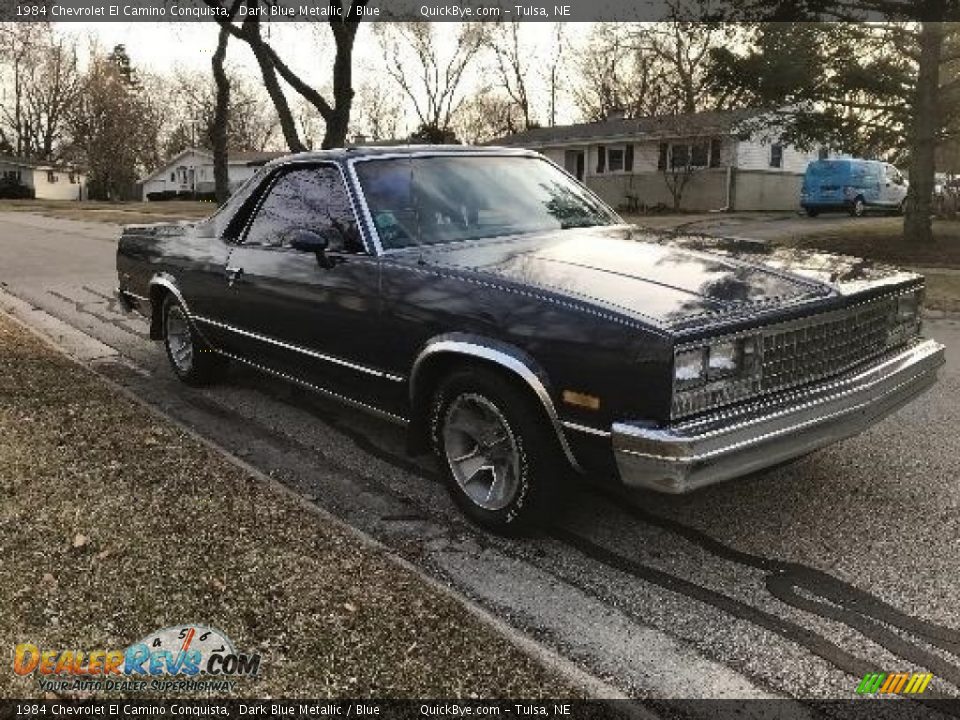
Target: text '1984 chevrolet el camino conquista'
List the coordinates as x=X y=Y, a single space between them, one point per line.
x=519 y=329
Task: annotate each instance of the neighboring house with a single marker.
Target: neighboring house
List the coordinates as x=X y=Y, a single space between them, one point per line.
x=191 y=173
x=49 y=181
x=633 y=163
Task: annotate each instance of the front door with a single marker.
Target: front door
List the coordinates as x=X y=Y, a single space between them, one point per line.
x=311 y=315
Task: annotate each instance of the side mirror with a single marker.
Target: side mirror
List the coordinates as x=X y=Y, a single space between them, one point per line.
x=308 y=241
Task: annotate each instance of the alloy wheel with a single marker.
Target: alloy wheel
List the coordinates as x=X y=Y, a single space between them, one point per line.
x=481 y=451
x=179 y=340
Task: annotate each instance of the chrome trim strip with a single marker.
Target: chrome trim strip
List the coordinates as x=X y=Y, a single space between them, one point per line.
x=120 y=291
x=576 y=427
x=507 y=361
x=321 y=390
x=737 y=441
x=302 y=350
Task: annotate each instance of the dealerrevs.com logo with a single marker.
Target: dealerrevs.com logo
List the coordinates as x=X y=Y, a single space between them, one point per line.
x=184 y=657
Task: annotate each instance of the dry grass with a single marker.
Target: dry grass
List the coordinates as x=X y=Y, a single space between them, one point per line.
x=114 y=523
x=886 y=243
x=120 y=213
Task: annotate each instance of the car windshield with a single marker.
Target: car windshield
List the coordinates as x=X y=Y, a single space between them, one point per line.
x=447 y=198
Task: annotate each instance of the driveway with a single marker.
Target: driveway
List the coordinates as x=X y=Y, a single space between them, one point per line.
x=791 y=583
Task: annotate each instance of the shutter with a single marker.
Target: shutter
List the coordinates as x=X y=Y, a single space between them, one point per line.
x=628 y=158
x=662 y=159
x=601 y=158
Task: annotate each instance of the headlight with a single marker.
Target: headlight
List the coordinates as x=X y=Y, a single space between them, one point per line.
x=689 y=368
x=906 y=318
x=724 y=363
x=908 y=307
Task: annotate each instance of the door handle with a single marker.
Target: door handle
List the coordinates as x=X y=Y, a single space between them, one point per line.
x=233 y=274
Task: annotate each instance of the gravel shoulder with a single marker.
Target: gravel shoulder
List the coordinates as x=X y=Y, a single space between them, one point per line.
x=114 y=523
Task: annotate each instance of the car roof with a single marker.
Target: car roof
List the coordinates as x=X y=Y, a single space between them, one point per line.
x=348 y=153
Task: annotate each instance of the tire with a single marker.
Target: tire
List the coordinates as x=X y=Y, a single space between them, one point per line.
x=510 y=470
x=812 y=212
x=858 y=208
x=192 y=360
x=902 y=208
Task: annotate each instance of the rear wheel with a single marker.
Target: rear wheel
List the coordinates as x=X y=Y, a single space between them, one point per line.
x=499 y=457
x=858 y=208
x=193 y=361
x=812 y=212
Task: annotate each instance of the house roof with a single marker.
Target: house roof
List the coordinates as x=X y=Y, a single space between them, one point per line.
x=234 y=158
x=718 y=122
x=35 y=164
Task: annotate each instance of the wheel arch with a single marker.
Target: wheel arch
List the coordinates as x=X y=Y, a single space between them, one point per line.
x=160 y=286
x=442 y=352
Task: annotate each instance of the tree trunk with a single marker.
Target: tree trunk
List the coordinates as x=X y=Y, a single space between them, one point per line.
x=923 y=135
x=338 y=122
x=218 y=132
x=268 y=71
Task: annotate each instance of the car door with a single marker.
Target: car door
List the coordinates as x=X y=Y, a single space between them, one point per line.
x=312 y=315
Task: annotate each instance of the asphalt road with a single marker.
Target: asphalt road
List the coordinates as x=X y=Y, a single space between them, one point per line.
x=791 y=583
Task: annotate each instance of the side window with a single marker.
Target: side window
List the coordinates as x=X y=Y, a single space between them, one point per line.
x=311 y=198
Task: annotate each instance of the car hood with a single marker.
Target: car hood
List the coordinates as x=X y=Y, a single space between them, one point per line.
x=673 y=281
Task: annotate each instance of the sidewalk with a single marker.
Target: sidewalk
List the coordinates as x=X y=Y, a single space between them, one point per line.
x=114 y=523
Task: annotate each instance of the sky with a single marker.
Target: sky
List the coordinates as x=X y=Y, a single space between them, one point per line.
x=167 y=48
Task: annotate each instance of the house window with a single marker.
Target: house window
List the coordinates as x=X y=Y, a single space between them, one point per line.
x=615 y=158
x=823 y=153
x=173 y=177
x=699 y=154
x=662 y=158
x=679 y=156
x=73 y=178
x=52 y=176
x=601 y=159
x=715 y=152
x=776 y=155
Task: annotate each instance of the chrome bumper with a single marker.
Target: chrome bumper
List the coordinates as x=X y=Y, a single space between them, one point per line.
x=734 y=442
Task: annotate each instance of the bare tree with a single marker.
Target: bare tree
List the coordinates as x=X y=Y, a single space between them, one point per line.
x=484 y=116
x=378 y=114
x=343 y=24
x=115 y=125
x=40 y=86
x=512 y=70
x=649 y=69
x=429 y=79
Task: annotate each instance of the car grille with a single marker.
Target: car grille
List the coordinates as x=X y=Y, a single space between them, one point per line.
x=814 y=348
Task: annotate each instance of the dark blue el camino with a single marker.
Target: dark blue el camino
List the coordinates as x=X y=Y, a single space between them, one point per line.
x=517 y=327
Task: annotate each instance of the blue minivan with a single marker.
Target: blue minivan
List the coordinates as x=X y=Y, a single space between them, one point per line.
x=852 y=185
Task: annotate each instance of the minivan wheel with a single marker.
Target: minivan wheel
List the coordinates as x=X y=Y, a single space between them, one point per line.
x=858 y=207
x=902 y=208
x=500 y=461
x=192 y=360
x=812 y=212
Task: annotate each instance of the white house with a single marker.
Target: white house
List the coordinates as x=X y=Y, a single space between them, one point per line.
x=191 y=173
x=632 y=162
x=49 y=181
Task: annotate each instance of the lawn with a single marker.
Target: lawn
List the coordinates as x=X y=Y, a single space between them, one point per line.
x=885 y=242
x=115 y=523
x=120 y=213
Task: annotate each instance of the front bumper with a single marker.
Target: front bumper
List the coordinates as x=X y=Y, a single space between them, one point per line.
x=734 y=442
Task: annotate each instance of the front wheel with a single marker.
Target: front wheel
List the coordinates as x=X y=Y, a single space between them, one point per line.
x=193 y=361
x=812 y=212
x=858 y=208
x=496 y=449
